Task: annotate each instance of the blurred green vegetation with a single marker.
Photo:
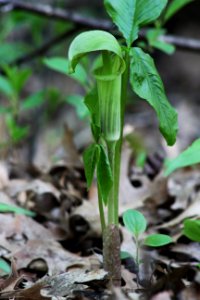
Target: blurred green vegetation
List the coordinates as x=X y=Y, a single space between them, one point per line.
x=24 y=33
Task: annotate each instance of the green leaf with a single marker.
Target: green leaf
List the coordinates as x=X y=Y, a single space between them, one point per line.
x=165 y=47
x=92 y=103
x=157 y=240
x=174 y=7
x=5 y=87
x=147 y=84
x=92 y=41
x=61 y=65
x=90 y=159
x=135 y=222
x=153 y=36
x=11 y=51
x=130 y=15
x=33 y=101
x=104 y=174
x=16 y=132
x=5 y=110
x=17 y=77
x=192 y=229
x=77 y=101
x=187 y=158
x=4 y=267
x=4 y=208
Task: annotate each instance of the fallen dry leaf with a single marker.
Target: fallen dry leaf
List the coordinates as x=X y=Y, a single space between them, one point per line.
x=56 y=258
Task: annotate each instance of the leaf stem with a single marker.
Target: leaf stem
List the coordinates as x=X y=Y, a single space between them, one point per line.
x=101 y=211
x=137 y=259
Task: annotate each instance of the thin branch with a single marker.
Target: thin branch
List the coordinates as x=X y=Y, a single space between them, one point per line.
x=57 y=14
x=88 y=22
x=182 y=43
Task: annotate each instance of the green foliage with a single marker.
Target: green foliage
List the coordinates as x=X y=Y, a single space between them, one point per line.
x=94 y=157
x=135 y=222
x=157 y=240
x=92 y=41
x=6 y=208
x=16 y=132
x=187 y=158
x=17 y=78
x=130 y=15
x=60 y=64
x=77 y=101
x=153 y=37
x=5 y=86
x=174 y=7
x=11 y=51
x=106 y=103
x=104 y=174
x=90 y=158
x=148 y=85
x=192 y=230
x=33 y=101
x=11 y=86
x=92 y=103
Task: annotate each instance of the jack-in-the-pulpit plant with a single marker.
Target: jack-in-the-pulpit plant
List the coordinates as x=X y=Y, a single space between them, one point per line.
x=115 y=65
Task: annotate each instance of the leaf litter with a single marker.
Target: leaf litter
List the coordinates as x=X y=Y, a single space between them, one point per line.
x=58 y=253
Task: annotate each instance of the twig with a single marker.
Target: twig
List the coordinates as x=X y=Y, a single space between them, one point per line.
x=57 y=13
x=60 y=14
x=182 y=43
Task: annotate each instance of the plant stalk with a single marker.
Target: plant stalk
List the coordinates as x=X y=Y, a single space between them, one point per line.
x=111 y=235
x=101 y=211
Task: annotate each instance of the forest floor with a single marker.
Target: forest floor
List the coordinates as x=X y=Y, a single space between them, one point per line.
x=50 y=232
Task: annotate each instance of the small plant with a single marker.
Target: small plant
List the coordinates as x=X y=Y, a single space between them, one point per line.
x=116 y=65
x=11 y=86
x=136 y=223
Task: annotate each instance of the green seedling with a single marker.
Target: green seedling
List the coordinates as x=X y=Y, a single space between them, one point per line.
x=116 y=65
x=11 y=87
x=136 y=223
